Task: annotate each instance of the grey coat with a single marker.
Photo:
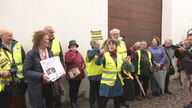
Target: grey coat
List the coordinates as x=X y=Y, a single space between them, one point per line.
x=170 y=53
x=33 y=72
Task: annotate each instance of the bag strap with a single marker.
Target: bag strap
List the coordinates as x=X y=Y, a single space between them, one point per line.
x=168 y=56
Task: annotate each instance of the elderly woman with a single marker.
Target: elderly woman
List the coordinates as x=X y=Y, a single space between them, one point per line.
x=73 y=59
x=93 y=73
x=159 y=60
x=40 y=88
x=170 y=53
x=111 y=81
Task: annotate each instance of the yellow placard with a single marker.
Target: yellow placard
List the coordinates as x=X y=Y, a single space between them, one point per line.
x=96 y=35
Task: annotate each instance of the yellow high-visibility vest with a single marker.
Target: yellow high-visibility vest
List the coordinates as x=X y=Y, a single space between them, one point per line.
x=55 y=47
x=122 y=50
x=91 y=68
x=5 y=65
x=139 y=61
x=17 y=56
x=111 y=71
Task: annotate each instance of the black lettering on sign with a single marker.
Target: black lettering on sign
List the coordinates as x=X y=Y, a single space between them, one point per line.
x=3 y=61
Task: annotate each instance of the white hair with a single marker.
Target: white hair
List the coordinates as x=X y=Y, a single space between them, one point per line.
x=115 y=29
x=168 y=40
x=137 y=44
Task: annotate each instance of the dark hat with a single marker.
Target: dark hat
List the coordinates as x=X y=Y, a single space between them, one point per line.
x=72 y=42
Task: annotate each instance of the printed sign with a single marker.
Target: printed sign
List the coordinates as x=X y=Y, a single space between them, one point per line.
x=96 y=35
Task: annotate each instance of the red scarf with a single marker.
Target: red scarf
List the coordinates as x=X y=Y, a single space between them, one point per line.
x=113 y=54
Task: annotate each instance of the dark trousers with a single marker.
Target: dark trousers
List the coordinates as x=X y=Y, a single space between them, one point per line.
x=74 y=90
x=3 y=100
x=94 y=92
x=167 y=82
x=104 y=100
x=145 y=83
x=129 y=89
x=51 y=101
x=48 y=96
x=16 y=94
x=17 y=102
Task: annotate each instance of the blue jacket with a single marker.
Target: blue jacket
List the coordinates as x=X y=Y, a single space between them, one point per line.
x=158 y=53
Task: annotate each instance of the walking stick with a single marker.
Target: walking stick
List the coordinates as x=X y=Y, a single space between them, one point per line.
x=140 y=85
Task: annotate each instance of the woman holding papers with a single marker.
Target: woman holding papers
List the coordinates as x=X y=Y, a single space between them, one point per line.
x=40 y=88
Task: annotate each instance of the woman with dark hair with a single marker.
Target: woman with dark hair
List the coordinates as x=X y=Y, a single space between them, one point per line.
x=111 y=81
x=159 y=60
x=40 y=88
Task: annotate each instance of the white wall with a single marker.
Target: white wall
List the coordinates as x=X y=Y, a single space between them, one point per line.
x=176 y=19
x=72 y=19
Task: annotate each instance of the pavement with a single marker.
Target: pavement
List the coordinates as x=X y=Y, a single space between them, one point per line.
x=176 y=100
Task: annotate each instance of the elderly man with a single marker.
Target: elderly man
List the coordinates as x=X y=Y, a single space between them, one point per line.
x=142 y=61
x=7 y=69
x=56 y=49
x=170 y=52
x=16 y=98
x=54 y=43
x=121 y=48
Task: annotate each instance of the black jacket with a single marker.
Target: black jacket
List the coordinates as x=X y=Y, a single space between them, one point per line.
x=144 y=63
x=186 y=62
x=13 y=66
x=33 y=72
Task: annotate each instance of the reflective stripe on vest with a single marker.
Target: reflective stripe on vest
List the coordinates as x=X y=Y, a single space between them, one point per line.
x=111 y=70
x=55 y=47
x=3 y=82
x=6 y=82
x=139 y=61
x=17 y=56
x=5 y=65
x=91 y=68
x=113 y=80
x=122 y=50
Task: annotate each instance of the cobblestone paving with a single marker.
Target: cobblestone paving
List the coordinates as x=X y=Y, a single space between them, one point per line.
x=176 y=100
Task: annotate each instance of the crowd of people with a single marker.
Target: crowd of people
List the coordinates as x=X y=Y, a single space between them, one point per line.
x=113 y=70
